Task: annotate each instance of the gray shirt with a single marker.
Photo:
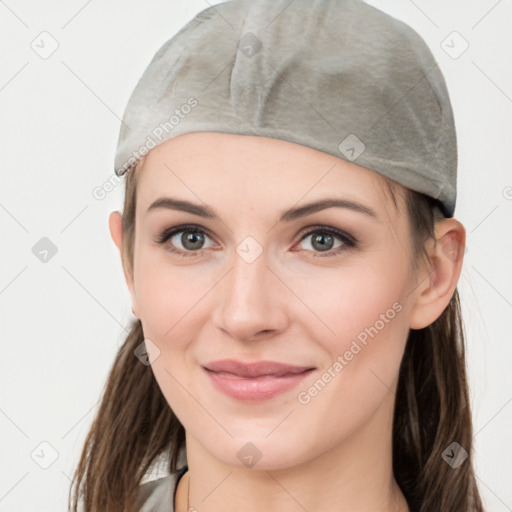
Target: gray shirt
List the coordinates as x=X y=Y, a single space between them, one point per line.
x=158 y=495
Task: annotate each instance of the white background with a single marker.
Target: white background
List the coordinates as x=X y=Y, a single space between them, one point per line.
x=62 y=321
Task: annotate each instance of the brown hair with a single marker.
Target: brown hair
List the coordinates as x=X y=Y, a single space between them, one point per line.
x=135 y=426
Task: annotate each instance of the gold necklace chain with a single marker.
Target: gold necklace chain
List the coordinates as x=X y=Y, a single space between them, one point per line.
x=188 y=493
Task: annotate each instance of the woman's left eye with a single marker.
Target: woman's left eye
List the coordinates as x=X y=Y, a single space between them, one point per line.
x=322 y=241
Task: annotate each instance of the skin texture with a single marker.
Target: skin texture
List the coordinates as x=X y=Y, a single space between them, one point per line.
x=288 y=305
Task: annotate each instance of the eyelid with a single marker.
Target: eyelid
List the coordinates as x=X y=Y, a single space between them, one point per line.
x=329 y=229
x=182 y=227
x=348 y=240
x=168 y=233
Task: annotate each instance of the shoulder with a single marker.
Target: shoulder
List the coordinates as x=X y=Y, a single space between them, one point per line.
x=157 y=495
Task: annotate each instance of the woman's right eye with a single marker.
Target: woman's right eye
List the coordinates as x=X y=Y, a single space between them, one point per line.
x=190 y=237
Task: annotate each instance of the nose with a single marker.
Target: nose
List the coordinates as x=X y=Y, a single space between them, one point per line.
x=252 y=301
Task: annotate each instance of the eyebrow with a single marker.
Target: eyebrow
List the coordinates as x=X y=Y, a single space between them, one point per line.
x=287 y=216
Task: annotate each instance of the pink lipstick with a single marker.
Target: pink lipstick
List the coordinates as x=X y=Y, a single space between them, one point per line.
x=256 y=381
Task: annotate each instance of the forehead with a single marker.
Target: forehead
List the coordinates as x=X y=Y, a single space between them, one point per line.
x=217 y=167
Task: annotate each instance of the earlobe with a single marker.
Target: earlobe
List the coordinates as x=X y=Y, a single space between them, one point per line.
x=438 y=283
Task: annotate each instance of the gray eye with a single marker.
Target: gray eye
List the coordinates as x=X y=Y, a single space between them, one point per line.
x=320 y=241
x=191 y=240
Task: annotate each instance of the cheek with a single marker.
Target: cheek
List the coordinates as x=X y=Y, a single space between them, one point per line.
x=362 y=359
x=343 y=304
x=360 y=321
x=174 y=306
x=168 y=297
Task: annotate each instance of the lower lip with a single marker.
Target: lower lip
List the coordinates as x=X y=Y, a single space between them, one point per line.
x=255 y=389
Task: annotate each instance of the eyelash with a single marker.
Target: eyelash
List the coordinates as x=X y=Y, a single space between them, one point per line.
x=348 y=241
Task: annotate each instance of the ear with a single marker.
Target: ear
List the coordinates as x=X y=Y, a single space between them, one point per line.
x=115 y=225
x=437 y=282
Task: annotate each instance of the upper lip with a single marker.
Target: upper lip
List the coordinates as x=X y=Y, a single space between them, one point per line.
x=256 y=369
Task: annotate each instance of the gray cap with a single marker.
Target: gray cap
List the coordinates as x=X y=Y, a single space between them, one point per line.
x=338 y=76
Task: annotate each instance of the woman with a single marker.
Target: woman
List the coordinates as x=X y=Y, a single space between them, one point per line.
x=289 y=246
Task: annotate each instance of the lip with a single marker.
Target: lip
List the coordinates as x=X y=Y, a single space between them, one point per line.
x=257 y=381
x=256 y=369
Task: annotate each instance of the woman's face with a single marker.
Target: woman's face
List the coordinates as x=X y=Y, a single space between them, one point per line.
x=253 y=286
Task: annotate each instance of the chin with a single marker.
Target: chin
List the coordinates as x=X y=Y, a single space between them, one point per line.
x=256 y=452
